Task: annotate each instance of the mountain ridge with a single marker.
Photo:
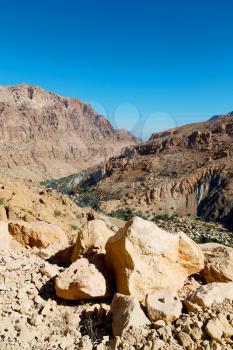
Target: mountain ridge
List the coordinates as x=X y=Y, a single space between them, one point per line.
x=183 y=171
x=45 y=135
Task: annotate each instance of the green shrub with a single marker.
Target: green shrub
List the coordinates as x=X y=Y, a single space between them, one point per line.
x=126 y=214
x=204 y=239
x=73 y=227
x=163 y=217
x=56 y=213
x=88 y=198
x=2 y=200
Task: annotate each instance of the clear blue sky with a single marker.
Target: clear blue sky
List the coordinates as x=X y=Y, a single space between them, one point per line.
x=166 y=62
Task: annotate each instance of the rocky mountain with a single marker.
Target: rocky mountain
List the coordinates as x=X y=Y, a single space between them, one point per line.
x=43 y=135
x=184 y=171
x=230 y=114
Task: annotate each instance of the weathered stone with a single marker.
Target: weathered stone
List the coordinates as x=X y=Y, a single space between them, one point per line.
x=4 y=236
x=190 y=255
x=159 y=323
x=49 y=270
x=37 y=234
x=226 y=327
x=208 y=294
x=126 y=313
x=91 y=240
x=163 y=305
x=158 y=344
x=214 y=329
x=196 y=332
x=218 y=263
x=3 y=215
x=145 y=258
x=185 y=339
x=82 y=280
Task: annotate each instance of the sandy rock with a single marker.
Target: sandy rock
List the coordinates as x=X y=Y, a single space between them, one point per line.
x=82 y=280
x=145 y=258
x=49 y=270
x=126 y=313
x=208 y=294
x=4 y=235
x=218 y=262
x=185 y=340
x=86 y=343
x=196 y=332
x=214 y=329
x=163 y=305
x=3 y=216
x=190 y=255
x=159 y=324
x=37 y=234
x=158 y=344
x=92 y=239
x=190 y=285
x=226 y=326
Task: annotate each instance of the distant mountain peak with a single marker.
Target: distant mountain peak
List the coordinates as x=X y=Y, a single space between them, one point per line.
x=230 y=114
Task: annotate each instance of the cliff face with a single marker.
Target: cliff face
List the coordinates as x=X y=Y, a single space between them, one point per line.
x=184 y=171
x=44 y=135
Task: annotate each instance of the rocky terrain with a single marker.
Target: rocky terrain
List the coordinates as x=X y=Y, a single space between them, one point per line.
x=115 y=285
x=117 y=258
x=44 y=135
x=185 y=171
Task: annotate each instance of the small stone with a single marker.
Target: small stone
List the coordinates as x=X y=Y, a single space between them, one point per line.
x=159 y=324
x=35 y=320
x=185 y=339
x=214 y=329
x=164 y=305
x=3 y=287
x=196 y=333
x=49 y=271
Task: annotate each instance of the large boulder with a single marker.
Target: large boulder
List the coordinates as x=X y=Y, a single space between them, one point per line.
x=207 y=295
x=37 y=234
x=164 y=305
x=82 y=280
x=145 y=258
x=218 y=262
x=91 y=240
x=4 y=236
x=126 y=313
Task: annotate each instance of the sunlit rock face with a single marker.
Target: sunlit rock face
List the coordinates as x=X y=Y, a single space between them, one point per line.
x=44 y=135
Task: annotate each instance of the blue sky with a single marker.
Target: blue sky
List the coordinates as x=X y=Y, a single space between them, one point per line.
x=147 y=65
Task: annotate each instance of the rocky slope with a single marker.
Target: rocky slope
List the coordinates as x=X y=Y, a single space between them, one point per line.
x=47 y=305
x=184 y=171
x=44 y=135
x=22 y=201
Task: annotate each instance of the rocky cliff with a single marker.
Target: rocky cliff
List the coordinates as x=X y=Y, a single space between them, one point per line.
x=43 y=135
x=184 y=171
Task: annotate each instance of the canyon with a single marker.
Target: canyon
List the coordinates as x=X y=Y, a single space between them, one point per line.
x=186 y=171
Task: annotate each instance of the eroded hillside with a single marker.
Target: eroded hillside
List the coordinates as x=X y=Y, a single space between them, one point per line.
x=185 y=171
x=44 y=135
